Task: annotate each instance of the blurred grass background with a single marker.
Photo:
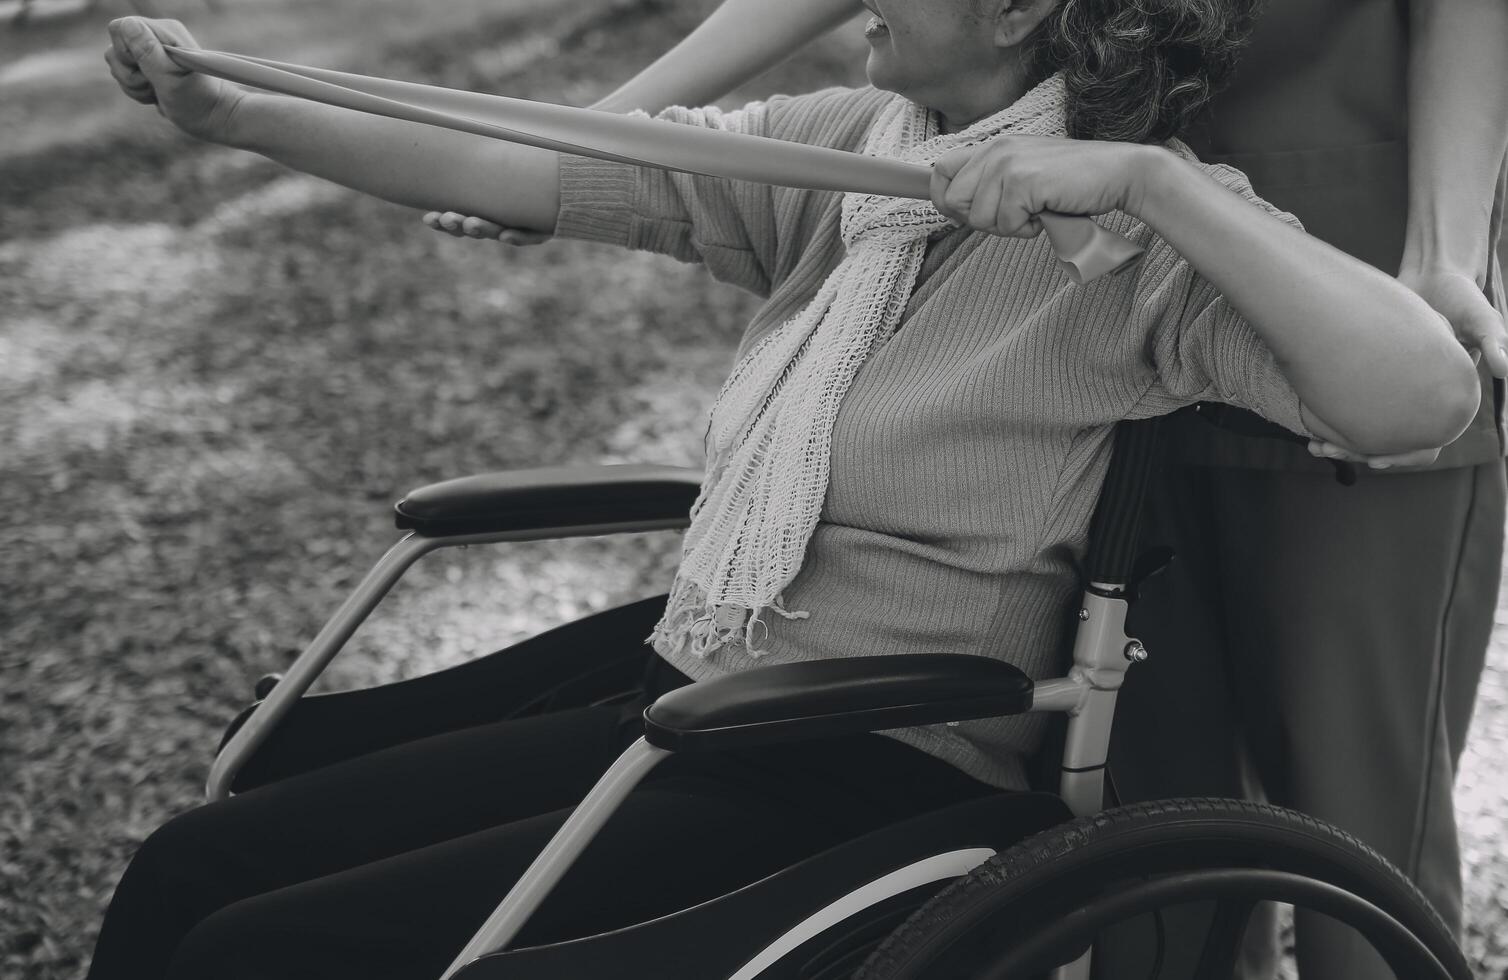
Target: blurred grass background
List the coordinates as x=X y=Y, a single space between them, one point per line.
x=215 y=375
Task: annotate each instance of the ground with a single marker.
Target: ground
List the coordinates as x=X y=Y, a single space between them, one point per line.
x=217 y=375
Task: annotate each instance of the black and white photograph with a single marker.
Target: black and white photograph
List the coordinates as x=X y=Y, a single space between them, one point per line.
x=753 y=490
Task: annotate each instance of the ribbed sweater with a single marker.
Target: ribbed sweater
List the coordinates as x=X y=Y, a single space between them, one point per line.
x=968 y=454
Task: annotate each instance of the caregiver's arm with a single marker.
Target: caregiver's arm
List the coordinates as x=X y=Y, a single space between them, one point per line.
x=737 y=41
x=1376 y=369
x=408 y=164
x=1457 y=139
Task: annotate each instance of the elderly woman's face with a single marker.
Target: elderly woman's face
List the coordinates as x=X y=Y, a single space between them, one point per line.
x=931 y=51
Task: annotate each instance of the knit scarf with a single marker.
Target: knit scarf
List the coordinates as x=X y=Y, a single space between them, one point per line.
x=771 y=432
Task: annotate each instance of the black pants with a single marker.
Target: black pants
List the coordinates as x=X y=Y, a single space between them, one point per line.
x=383 y=863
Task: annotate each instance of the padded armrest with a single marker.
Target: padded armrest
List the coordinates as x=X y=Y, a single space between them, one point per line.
x=826 y=698
x=551 y=496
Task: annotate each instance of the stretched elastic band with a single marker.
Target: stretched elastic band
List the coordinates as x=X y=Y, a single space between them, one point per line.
x=1086 y=249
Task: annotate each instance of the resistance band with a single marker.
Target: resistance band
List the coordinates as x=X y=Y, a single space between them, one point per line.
x=1086 y=250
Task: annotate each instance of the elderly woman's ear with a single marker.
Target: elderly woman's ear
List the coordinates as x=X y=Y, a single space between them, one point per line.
x=1015 y=20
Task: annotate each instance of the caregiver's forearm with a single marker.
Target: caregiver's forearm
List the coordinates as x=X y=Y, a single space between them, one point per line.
x=1377 y=370
x=1458 y=130
x=737 y=41
x=402 y=162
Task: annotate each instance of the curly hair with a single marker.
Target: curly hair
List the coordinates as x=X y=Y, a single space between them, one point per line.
x=1138 y=71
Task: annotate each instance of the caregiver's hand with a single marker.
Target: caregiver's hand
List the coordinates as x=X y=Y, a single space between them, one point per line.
x=1329 y=450
x=197 y=104
x=1457 y=297
x=467 y=226
x=1001 y=186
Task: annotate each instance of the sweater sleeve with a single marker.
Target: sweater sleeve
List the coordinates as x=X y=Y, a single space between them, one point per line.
x=745 y=233
x=1200 y=348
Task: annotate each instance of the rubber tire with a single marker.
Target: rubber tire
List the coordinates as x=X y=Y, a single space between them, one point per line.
x=1065 y=866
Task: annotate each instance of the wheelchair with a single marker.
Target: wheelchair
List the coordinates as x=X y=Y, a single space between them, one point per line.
x=1014 y=886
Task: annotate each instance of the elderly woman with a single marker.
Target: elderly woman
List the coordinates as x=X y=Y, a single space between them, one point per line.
x=905 y=457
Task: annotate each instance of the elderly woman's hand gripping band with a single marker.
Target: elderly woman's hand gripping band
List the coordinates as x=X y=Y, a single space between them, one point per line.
x=1004 y=187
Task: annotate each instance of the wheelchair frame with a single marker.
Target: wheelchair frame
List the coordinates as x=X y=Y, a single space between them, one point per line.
x=544 y=505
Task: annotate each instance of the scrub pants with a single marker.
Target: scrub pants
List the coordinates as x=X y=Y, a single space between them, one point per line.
x=1334 y=637
x=381 y=863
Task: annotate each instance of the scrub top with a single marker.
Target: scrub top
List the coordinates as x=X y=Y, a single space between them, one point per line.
x=1316 y=115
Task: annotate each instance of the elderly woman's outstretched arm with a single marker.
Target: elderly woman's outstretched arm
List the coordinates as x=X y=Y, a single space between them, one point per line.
x=1375 y=368
x=408 y=164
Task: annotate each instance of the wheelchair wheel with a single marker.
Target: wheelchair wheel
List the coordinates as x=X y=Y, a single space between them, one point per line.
x=1044 y=901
